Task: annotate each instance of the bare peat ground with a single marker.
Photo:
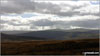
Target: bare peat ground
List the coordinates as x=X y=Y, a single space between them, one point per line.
x=53 y=47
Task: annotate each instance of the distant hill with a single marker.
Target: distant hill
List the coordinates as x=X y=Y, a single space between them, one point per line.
x=55 y=34
x=7 y=38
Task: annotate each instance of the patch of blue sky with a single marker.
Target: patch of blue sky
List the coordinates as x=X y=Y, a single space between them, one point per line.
x=28 y=15
x=95 y=2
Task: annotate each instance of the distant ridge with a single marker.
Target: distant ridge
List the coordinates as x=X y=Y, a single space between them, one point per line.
x=54 y=34
x=6 y=37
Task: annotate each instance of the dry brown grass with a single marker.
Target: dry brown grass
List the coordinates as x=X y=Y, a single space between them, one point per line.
x=54 y=47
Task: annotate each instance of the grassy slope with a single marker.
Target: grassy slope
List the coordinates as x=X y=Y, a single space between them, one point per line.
x=59 y=47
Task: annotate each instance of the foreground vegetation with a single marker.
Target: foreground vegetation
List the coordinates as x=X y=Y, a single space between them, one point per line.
x=58 y=47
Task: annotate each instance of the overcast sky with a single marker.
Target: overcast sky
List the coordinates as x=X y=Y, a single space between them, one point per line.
x=42 y=15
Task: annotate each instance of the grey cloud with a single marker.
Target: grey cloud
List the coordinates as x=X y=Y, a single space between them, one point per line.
x=21 y=6
x=44 y=22
x=56 y=24
x=68 y=24
x=84 y=24
x=56 y=9
x=87 y=23
x=17 y=6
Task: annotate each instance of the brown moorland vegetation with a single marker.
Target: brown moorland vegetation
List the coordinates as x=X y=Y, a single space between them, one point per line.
x=53 y=47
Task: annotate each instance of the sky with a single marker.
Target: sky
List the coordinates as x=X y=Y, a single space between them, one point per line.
x=49 y=14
